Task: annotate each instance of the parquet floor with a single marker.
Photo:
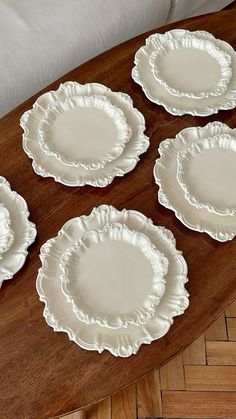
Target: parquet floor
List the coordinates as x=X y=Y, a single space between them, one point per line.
x=198 y=383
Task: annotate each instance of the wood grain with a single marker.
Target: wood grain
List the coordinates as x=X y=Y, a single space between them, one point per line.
x=149 y=396
x=124 y=404
x=82 y=414
x=101 y=410
x=172 y=374
x=205 y=405
x=231 y=327
x=221 y=353
x=195 y=354
x=231 y=311
x=211 y=378
x=218 y=330
x=152 y=400
x=42 y=373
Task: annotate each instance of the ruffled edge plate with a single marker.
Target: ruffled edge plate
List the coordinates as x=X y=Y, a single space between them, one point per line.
x=49 y=166
x=170 y=193
x=6 y=232
x=142 y=75
x=223 y=141
x=124 y=341
x=144 y=311
x=24 y=231
x=222 y=59
x=98 y=102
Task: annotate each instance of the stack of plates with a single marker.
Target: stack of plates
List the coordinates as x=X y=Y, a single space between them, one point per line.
x=196 y=175
x=187 y=72
x=83 y=134
x=112 y=280
x=17 y=233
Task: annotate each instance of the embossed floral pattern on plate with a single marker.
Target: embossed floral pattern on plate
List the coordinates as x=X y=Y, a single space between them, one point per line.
x=124 y=341
x=114 y=276
x=50 y=166
x=171 y=194
x=24 y=231
x=157 y=93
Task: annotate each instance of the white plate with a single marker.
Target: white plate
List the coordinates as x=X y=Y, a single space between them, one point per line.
x=24 y=231
x=206 y=171
x=114 y=276
x=143 y=75
x=84 y=131
x=191 y=67
x=171 y=194
x=6 y=232
x=59 y=313
x=77 y=176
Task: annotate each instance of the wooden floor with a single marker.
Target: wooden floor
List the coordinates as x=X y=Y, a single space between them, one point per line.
x=199 y=383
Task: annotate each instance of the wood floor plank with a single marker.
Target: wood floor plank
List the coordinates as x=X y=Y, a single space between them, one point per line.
x=217 y=331
x=195 y=354
x=124 y=404
x=77 y=415
x=211 y=378
x=204 y=405
x=101 y=410
x=231 y=311
x=172 y=374
x=149 y=396
x=231 y=327
x=221 y=353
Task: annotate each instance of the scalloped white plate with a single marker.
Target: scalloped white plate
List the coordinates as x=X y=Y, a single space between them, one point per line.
x=114 y=276
x=191 y=67
x=84 y=131
x=143 y=75
x=24 y=231
x=50 y=166
x=59 y=313
x=171 y=194
x=206 y=171
x=6 y=232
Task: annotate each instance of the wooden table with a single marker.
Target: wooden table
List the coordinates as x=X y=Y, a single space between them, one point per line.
x=42 y=373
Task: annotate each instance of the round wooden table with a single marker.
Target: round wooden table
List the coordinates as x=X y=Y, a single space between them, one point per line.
x=42 y=373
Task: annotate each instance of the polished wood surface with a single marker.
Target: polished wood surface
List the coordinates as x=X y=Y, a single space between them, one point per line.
x=164 y=393
x=42 y=373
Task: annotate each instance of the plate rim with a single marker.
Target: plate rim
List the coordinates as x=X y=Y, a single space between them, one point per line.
x=30 y=233
x=93 y=164
x=125 y=349
x=140 y=142
x=224 y=61
x=184 y=154
x=163 y=199
x=227 y=103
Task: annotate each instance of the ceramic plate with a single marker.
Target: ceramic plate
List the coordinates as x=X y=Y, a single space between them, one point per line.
x=47 y=165
x=114 y=276
x=84 y=131
x=6 y=232
x=142 y=74
x=59 y=313
x=191 y=67
x=24 y=231
x=206 y=172
x=171 y=194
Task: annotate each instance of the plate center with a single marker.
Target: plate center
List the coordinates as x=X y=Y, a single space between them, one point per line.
x=189 y=69
x=212 y=174
x=83 y=133
x=112 y=276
